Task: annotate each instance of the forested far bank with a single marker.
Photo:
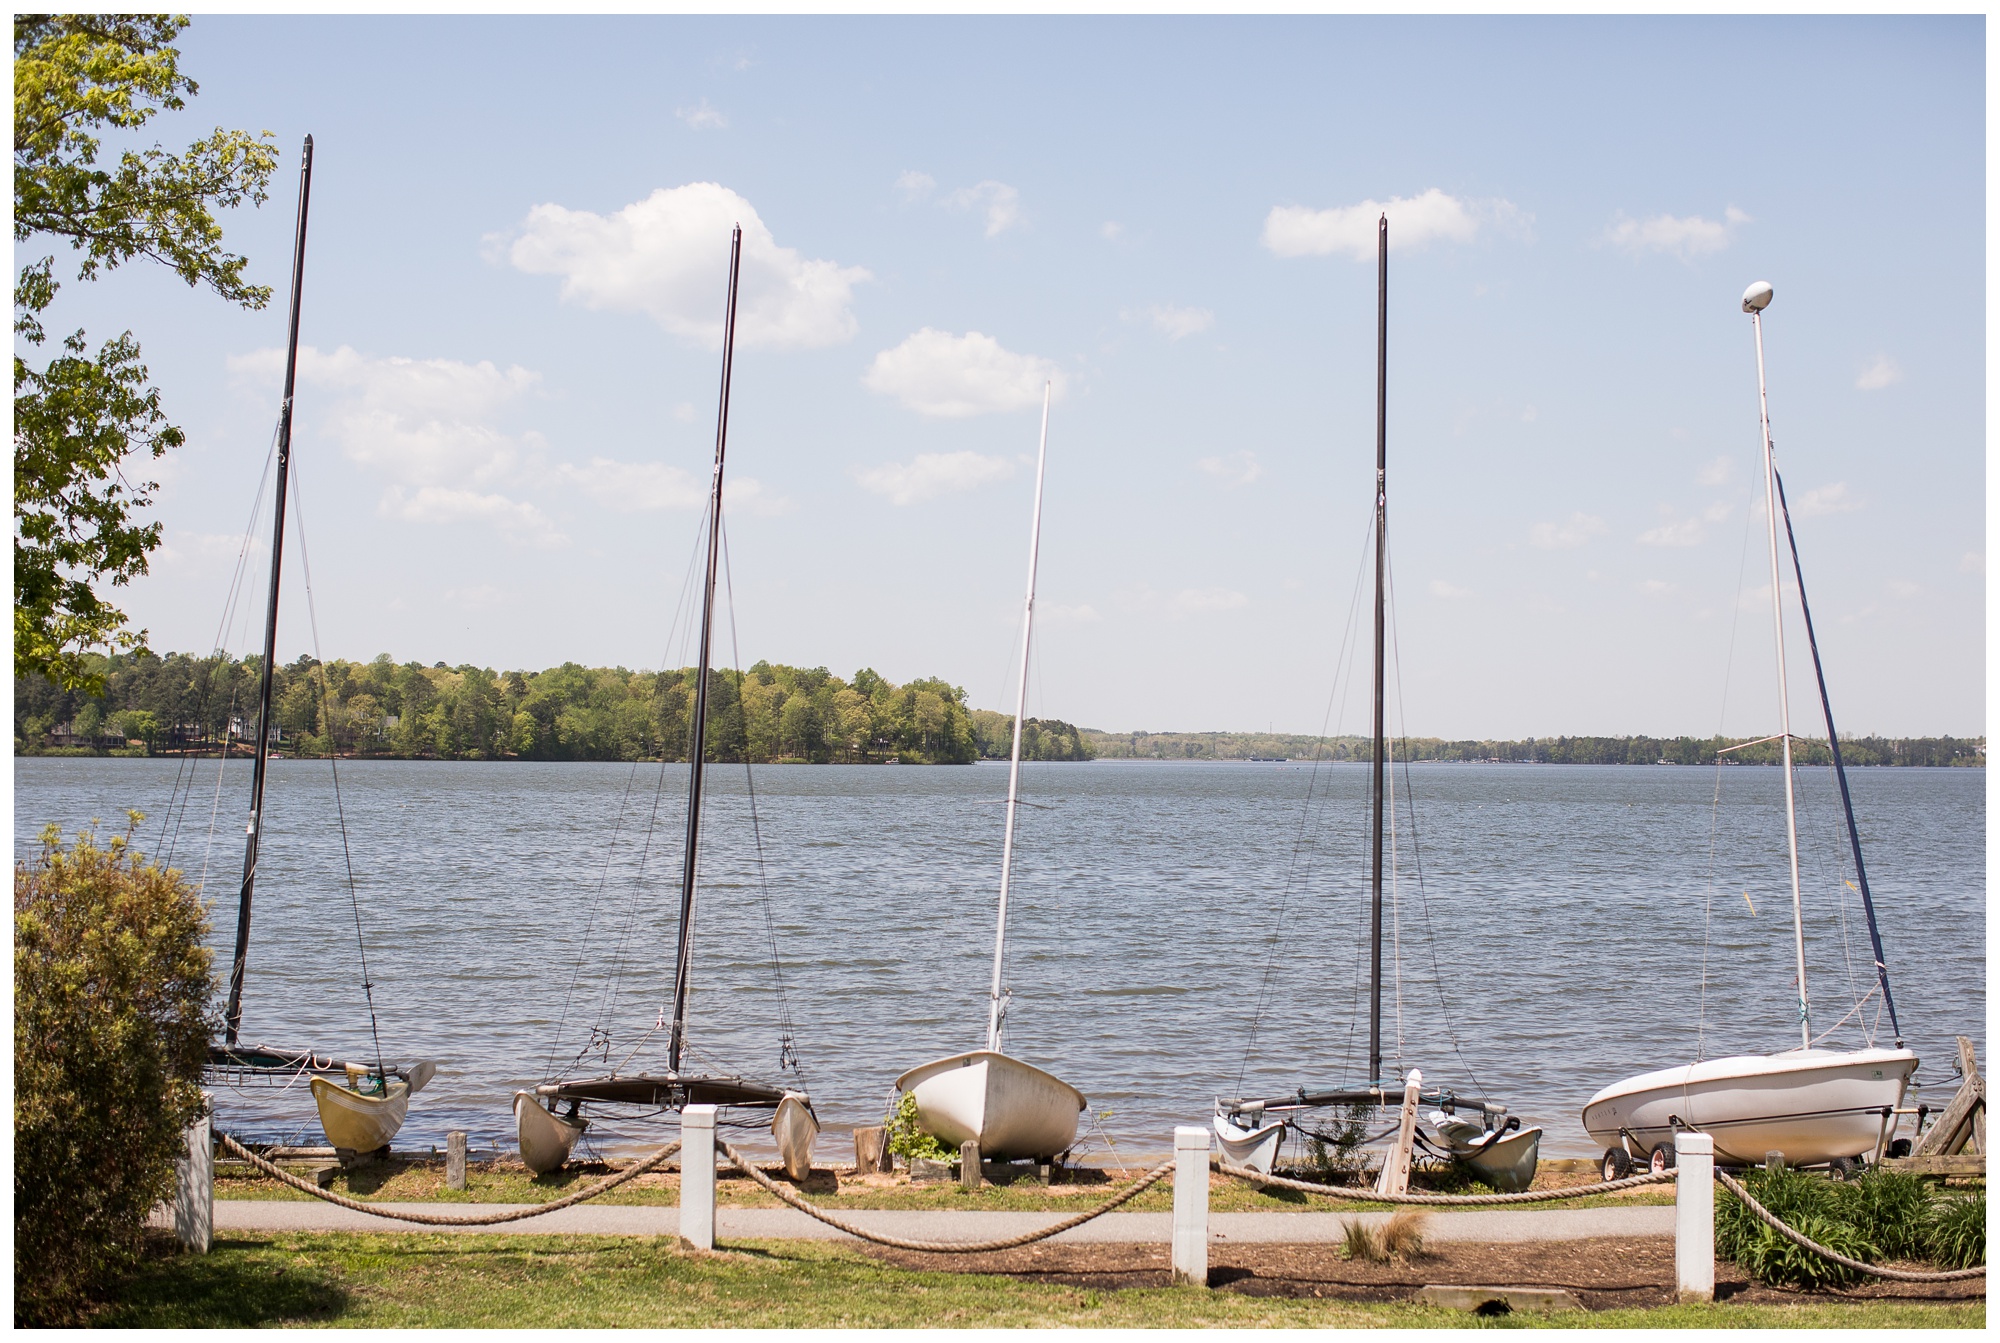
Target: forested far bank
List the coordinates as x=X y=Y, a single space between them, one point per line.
x=1534 y=750
x=179 y=703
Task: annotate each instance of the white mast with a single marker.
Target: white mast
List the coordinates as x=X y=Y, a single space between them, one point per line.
x=1755 y=299
x=996 y=1008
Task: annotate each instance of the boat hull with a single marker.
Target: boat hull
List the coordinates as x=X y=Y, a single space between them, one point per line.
x=1813 y=1105
x=359 y=1123
x=1010 y=1108
x=1255 y=1149
x=1507 y=1163
x=546 y=1138
x=793 y=1128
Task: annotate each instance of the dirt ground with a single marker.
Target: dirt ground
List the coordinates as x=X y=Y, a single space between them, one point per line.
x=1606 y=1273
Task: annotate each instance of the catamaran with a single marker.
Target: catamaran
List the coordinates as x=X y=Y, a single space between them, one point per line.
x=361 y=1105
x=1250 y=1130
x=1810 y=1105
x=550 y=1118
x=1010 y=1108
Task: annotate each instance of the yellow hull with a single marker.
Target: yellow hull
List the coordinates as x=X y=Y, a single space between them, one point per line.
x=356 y=1122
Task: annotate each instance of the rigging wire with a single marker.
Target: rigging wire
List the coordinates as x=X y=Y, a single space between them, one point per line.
x=333 y=762
x=1715 y=802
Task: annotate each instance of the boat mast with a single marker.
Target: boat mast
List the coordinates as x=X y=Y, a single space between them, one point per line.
x=1840 y=771
x=232 y=1016
x=996 y=1008
x=684 y=950
x=1754 y=303
x=1376 y=758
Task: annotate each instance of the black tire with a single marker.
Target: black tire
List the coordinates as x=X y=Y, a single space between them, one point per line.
x=1844 y=1168
x=1662 y=1158
x=1617 y=1165
x=1899 y=1149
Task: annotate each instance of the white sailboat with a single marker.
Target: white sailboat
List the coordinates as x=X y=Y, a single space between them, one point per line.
x=1010 y=1108
x=1811 y=1105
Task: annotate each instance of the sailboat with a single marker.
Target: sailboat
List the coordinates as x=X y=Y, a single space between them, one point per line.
x=1250 y=1130
x=1811 y=1105
x=549 y=1118
x=361 y=1106
x=1009 y=1108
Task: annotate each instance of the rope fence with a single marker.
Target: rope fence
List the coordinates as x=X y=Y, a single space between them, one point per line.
x=604 y=1186
x=1443 y=1200
x=791 y=1199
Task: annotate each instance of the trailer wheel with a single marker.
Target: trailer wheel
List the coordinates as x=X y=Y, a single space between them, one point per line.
x=1662 y=1158
x=1899 y=1149
x=1616 y=1164
x=1843 y=1168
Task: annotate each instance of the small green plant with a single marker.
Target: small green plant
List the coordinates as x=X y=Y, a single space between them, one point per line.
x=908 y=1139
x=1889 y=1208
x=1955 y=1231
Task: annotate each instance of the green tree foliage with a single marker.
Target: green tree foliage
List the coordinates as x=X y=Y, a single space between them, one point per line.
x=80 y=416
x=1534 y=750
x=571 y=712
x=1041 y=738
x=111 y=998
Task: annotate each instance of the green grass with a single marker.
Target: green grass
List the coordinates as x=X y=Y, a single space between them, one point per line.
x=425 y=1183
x=437 y=1281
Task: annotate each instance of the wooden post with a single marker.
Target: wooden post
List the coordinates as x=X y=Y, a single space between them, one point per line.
x=454 y=1159
x=1694 y=1216
x=1191 y=1206
x=871 y=1150
x=194 y=1184
x=968 y=1165
x=1963 y=1122
x=698 y=1177
x=1395 y=1177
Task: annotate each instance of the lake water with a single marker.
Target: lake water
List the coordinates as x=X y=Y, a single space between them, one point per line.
x=1161 y=911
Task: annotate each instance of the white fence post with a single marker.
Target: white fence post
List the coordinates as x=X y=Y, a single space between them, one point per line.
x=194 y=1184
x=1694 y=1216
x=698 y=1177
x=1191 y=1206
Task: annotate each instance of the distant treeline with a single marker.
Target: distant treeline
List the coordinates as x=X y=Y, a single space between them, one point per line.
x=1535 y=750
x=181 y=703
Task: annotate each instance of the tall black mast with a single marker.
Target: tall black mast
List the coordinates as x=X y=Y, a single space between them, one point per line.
x=684 y=952
x=1377 y=762
x=233 y=1014
x=1839 y=769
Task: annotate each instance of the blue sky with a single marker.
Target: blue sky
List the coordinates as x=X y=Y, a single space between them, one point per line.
x=515 y=273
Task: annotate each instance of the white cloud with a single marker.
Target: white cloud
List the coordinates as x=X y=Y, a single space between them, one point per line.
x=1903 y=590
x=1566 y=535
x=1656 y=587
x=1111 y=230
x=1972 y=562
x=1440 y=588
x=930 y=474
x=484 y=597
x=513 y=518
x=1203 y=601
x=183 y=546
x=702 y=117
x=1825 y=501
x=1881 y=373
x=1685 y=238
x=1717 y=511
x=685 y=412
x=1717 y=472
x=1684 y=532
x=1175 y=323
x=1067 y=615
x=668 y=257
x=639 y=487
x=1001 y=203
x=1238 y=468
x=915 y=186
x=936 y=373
x=431 y=427
x=1300 y=230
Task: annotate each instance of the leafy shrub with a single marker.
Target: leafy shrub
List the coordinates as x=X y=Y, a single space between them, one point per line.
x=907 y=1139
x=111 y=1027
x=1770 y=1258
x=1789 y=1194
x=1955 y=1231
x=1891 y=1209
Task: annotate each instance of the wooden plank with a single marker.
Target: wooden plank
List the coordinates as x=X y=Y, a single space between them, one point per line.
x=1963 y=1119
x=1971 y=1164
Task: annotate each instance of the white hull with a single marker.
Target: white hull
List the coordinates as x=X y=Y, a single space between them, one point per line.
x=1508 y=1163
x=1813 y=1105
x=1256 y=1149
x=1010 y=1108
x=794 y=1128
x=546 y=1138
x=356 y=1122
